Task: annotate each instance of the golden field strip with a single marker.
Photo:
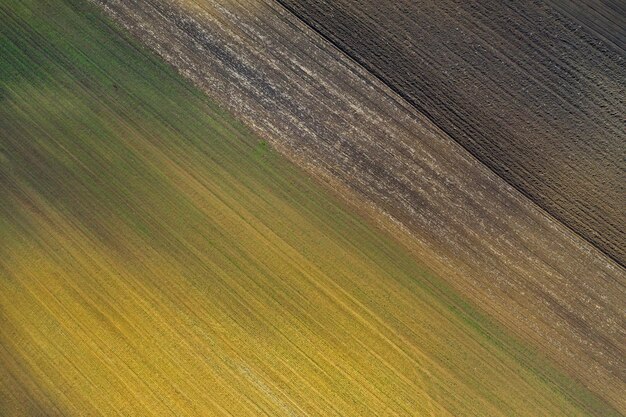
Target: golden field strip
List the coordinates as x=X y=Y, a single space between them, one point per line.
x=156 y=258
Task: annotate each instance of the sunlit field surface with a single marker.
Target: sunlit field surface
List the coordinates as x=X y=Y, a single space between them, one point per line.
x=156 y=258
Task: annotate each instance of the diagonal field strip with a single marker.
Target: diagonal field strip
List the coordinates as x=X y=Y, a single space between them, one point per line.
x=156 y=258
x=522 y=87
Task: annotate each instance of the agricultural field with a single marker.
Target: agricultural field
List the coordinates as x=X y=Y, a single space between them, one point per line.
x=159 y=257
x=331 y=116
x=529 y=92
x=606 y=19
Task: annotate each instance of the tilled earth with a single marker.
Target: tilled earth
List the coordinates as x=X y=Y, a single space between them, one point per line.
x=530 y=92
x=347 y=128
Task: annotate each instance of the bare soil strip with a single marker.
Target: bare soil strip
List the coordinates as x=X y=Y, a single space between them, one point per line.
x=347 y=128
x=518 y=84
x=604 y=18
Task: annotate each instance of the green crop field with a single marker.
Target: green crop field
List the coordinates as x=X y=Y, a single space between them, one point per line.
x=156 y=258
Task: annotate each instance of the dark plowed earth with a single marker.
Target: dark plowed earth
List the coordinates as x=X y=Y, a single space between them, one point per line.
x=319 y=108
x=520 y=84
x=603 y=18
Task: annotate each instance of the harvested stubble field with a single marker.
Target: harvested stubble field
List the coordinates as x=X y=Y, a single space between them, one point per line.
x=328 y=114
x=156 y=258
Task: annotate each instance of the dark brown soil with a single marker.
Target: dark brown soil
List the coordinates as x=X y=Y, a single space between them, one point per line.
x=522 y=86
x=605 y=19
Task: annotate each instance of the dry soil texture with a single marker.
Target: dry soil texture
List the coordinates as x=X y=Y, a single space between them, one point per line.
x=520 y=85
x=604 y=18
x=335 y=119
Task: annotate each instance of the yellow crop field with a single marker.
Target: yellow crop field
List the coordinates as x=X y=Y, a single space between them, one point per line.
x=156 y=258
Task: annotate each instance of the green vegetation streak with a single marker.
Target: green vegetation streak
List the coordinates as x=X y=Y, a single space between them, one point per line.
x=156 y=258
